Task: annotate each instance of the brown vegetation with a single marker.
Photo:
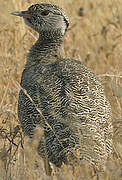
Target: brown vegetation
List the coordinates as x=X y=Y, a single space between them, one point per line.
x=94 y=37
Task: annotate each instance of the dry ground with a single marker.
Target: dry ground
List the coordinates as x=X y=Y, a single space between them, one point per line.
x=94 y=37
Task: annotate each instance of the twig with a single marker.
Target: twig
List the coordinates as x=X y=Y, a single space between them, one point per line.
x=109 y=75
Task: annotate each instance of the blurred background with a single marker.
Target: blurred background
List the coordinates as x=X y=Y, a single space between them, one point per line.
x=95 y=38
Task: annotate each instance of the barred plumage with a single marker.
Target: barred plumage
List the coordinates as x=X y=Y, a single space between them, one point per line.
x=76 y=116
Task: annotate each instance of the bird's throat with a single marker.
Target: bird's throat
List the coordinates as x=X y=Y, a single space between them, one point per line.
x=48 y=48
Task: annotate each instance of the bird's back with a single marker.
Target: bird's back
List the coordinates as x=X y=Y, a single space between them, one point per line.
x=76 y=116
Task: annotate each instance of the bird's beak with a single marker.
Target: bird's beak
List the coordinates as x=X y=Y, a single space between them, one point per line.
x=24 y=14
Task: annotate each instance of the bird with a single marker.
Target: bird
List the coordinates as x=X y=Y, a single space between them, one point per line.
x=62 y=96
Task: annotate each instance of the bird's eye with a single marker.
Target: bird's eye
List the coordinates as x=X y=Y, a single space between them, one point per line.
x=45 y=13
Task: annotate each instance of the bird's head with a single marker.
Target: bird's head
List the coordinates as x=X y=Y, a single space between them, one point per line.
x=45 y=17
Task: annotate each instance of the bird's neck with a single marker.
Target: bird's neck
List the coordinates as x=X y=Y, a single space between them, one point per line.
x=48 y=48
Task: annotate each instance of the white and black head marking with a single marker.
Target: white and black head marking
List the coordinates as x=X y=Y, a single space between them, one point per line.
x=45 y=17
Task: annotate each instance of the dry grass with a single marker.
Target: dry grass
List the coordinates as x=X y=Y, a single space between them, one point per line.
x=95 y=37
